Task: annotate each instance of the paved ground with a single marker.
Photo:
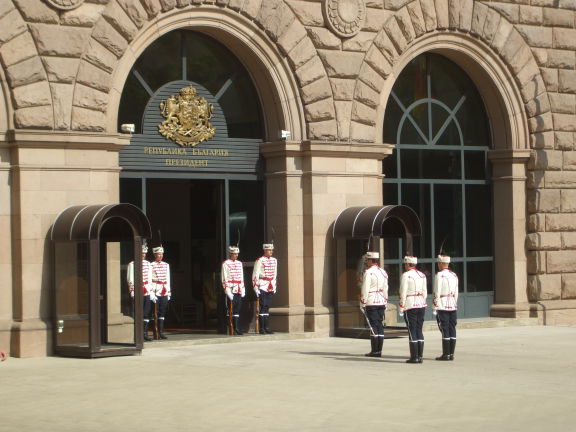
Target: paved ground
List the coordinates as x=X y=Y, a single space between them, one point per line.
x=503 y=379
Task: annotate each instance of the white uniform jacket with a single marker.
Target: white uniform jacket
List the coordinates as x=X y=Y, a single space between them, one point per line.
x=233 y=277
x=264 y=274
x=412 y=290
x=146 y=277
x=161 y=279
x=374 y=287
x=446 y=291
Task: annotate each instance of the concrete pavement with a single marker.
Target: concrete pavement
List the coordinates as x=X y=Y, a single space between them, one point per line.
x=503 y=379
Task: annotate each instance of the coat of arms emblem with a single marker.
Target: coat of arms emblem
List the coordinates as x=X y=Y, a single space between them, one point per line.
x=187 y=118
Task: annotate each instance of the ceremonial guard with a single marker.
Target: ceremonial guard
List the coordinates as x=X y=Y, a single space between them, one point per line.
x=445 y=306
x=161 y=286
x=373 y=301
x=412 y=305
x=233 y=284
x=147 y=292
x=264 y=284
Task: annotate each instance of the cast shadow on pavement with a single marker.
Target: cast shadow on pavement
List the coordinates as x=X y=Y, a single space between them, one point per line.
x=356 y=357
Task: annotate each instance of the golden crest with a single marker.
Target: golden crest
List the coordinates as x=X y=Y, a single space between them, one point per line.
x=187 y=118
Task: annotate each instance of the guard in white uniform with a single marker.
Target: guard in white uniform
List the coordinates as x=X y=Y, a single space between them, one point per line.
x=233 y=284
x=373 y=301
x=161 y=286
x=147 y=292
x=412 y=305
x=264 y=284
x=445 y=306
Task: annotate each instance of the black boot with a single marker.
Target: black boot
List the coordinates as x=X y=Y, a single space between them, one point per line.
x=267 y=325
x=161 y=329
x=146 y=337
x=373 y=347
x=379 y=347
x=445 y=350
x=420 y=351
x=452 y=348
x=413 y=352
x=261 y=324
x=236 y=326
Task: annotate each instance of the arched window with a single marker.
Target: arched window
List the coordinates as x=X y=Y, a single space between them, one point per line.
x=436 y=119
x=186 y=55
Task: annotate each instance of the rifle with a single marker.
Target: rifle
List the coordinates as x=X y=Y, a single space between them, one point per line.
x=156 y=335
x=368 y=321
x=230 y=312
x=257 y=325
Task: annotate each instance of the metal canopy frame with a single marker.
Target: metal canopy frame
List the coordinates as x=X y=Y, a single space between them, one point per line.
x=94 y=225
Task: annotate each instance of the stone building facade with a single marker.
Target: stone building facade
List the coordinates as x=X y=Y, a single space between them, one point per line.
x=324 y=71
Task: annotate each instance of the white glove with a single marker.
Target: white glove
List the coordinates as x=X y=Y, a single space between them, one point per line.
x=434 y=312
x=401 y=314
x=132 y=294
x=168 y=297
x=362 y=309
x=153 y=297
x=243 y=295
x=230 y=296
x=257 y=291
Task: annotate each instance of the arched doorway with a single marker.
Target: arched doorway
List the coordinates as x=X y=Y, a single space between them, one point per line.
x=202 y=196
x=437 y=121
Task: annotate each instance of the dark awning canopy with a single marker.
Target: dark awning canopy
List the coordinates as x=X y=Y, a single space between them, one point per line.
x=377 y=221
x=90 y=222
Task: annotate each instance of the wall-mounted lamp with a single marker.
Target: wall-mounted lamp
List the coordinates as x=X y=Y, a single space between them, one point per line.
x=128 y=128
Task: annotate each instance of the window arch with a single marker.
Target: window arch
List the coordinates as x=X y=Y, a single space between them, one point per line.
x=437 y=121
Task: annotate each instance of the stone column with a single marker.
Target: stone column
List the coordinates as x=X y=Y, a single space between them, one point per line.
x=308 y=185
x=50 y=171
x=510 y=262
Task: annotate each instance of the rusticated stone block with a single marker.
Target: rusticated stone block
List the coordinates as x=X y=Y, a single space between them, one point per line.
x=251 y=8
x=542 y=140
x=546 y=160
x=568 y=200
x=291 y=37
x=343 y=89
x=366 y=95
x=84 y=16
x=235 y=4
x=275 y=18
x=544 y=287
x=544 y=200
x=563 y=103
x=569 y=286
x=569 y=240
x=560 y=179
x=505 y=29
x=554 y=17
x=316 y=91
x=152 y=7
x=428 y=8
x=530 y=15
x=222 y=2
x=62 y=103
x=509 y=11
x=87 y=97
x=564 y=140
x=116 y=16
x=396 y=36
x=564 y=38
x=541 y=123
x=167 y=5
x=110 y=38
x=569 y=161
x=379 y=62
x=88 y=120
x=537 y=36
x=6 y=7
x=405 y=24
x=37 y=11
x=535 y=179
x=561 y=261
x=323 y=38
x=301 y=53
x=384 y=44
x=536 y=262
x=454 y=14
x=395 y=4
x=26 y=72
x=343 y=113
x=370 y=77
x=34 y=118
x=564 y=122
x=364 y=114
x=309 y=14
x=378 y=4
x=59 y=40
x=360 y=42
x=561 y=222
x=442 y=18
x=20 y=48
x=320 y=111
x=341 y=64
x=478 y=19
x=466 y=10
x=135 y=11
x=310 y=72
x=536 y=222
x=540 y=55
x=567 y=81
x=36 y=94
x=362 y=132
x=100 y=56
x=182 y=3
x=11 y=25
x=374 y=19
x=544 y=241
x=491 y=25
x=94 y=77
x=325 y=130
x=561 y=59
x=550 y=77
